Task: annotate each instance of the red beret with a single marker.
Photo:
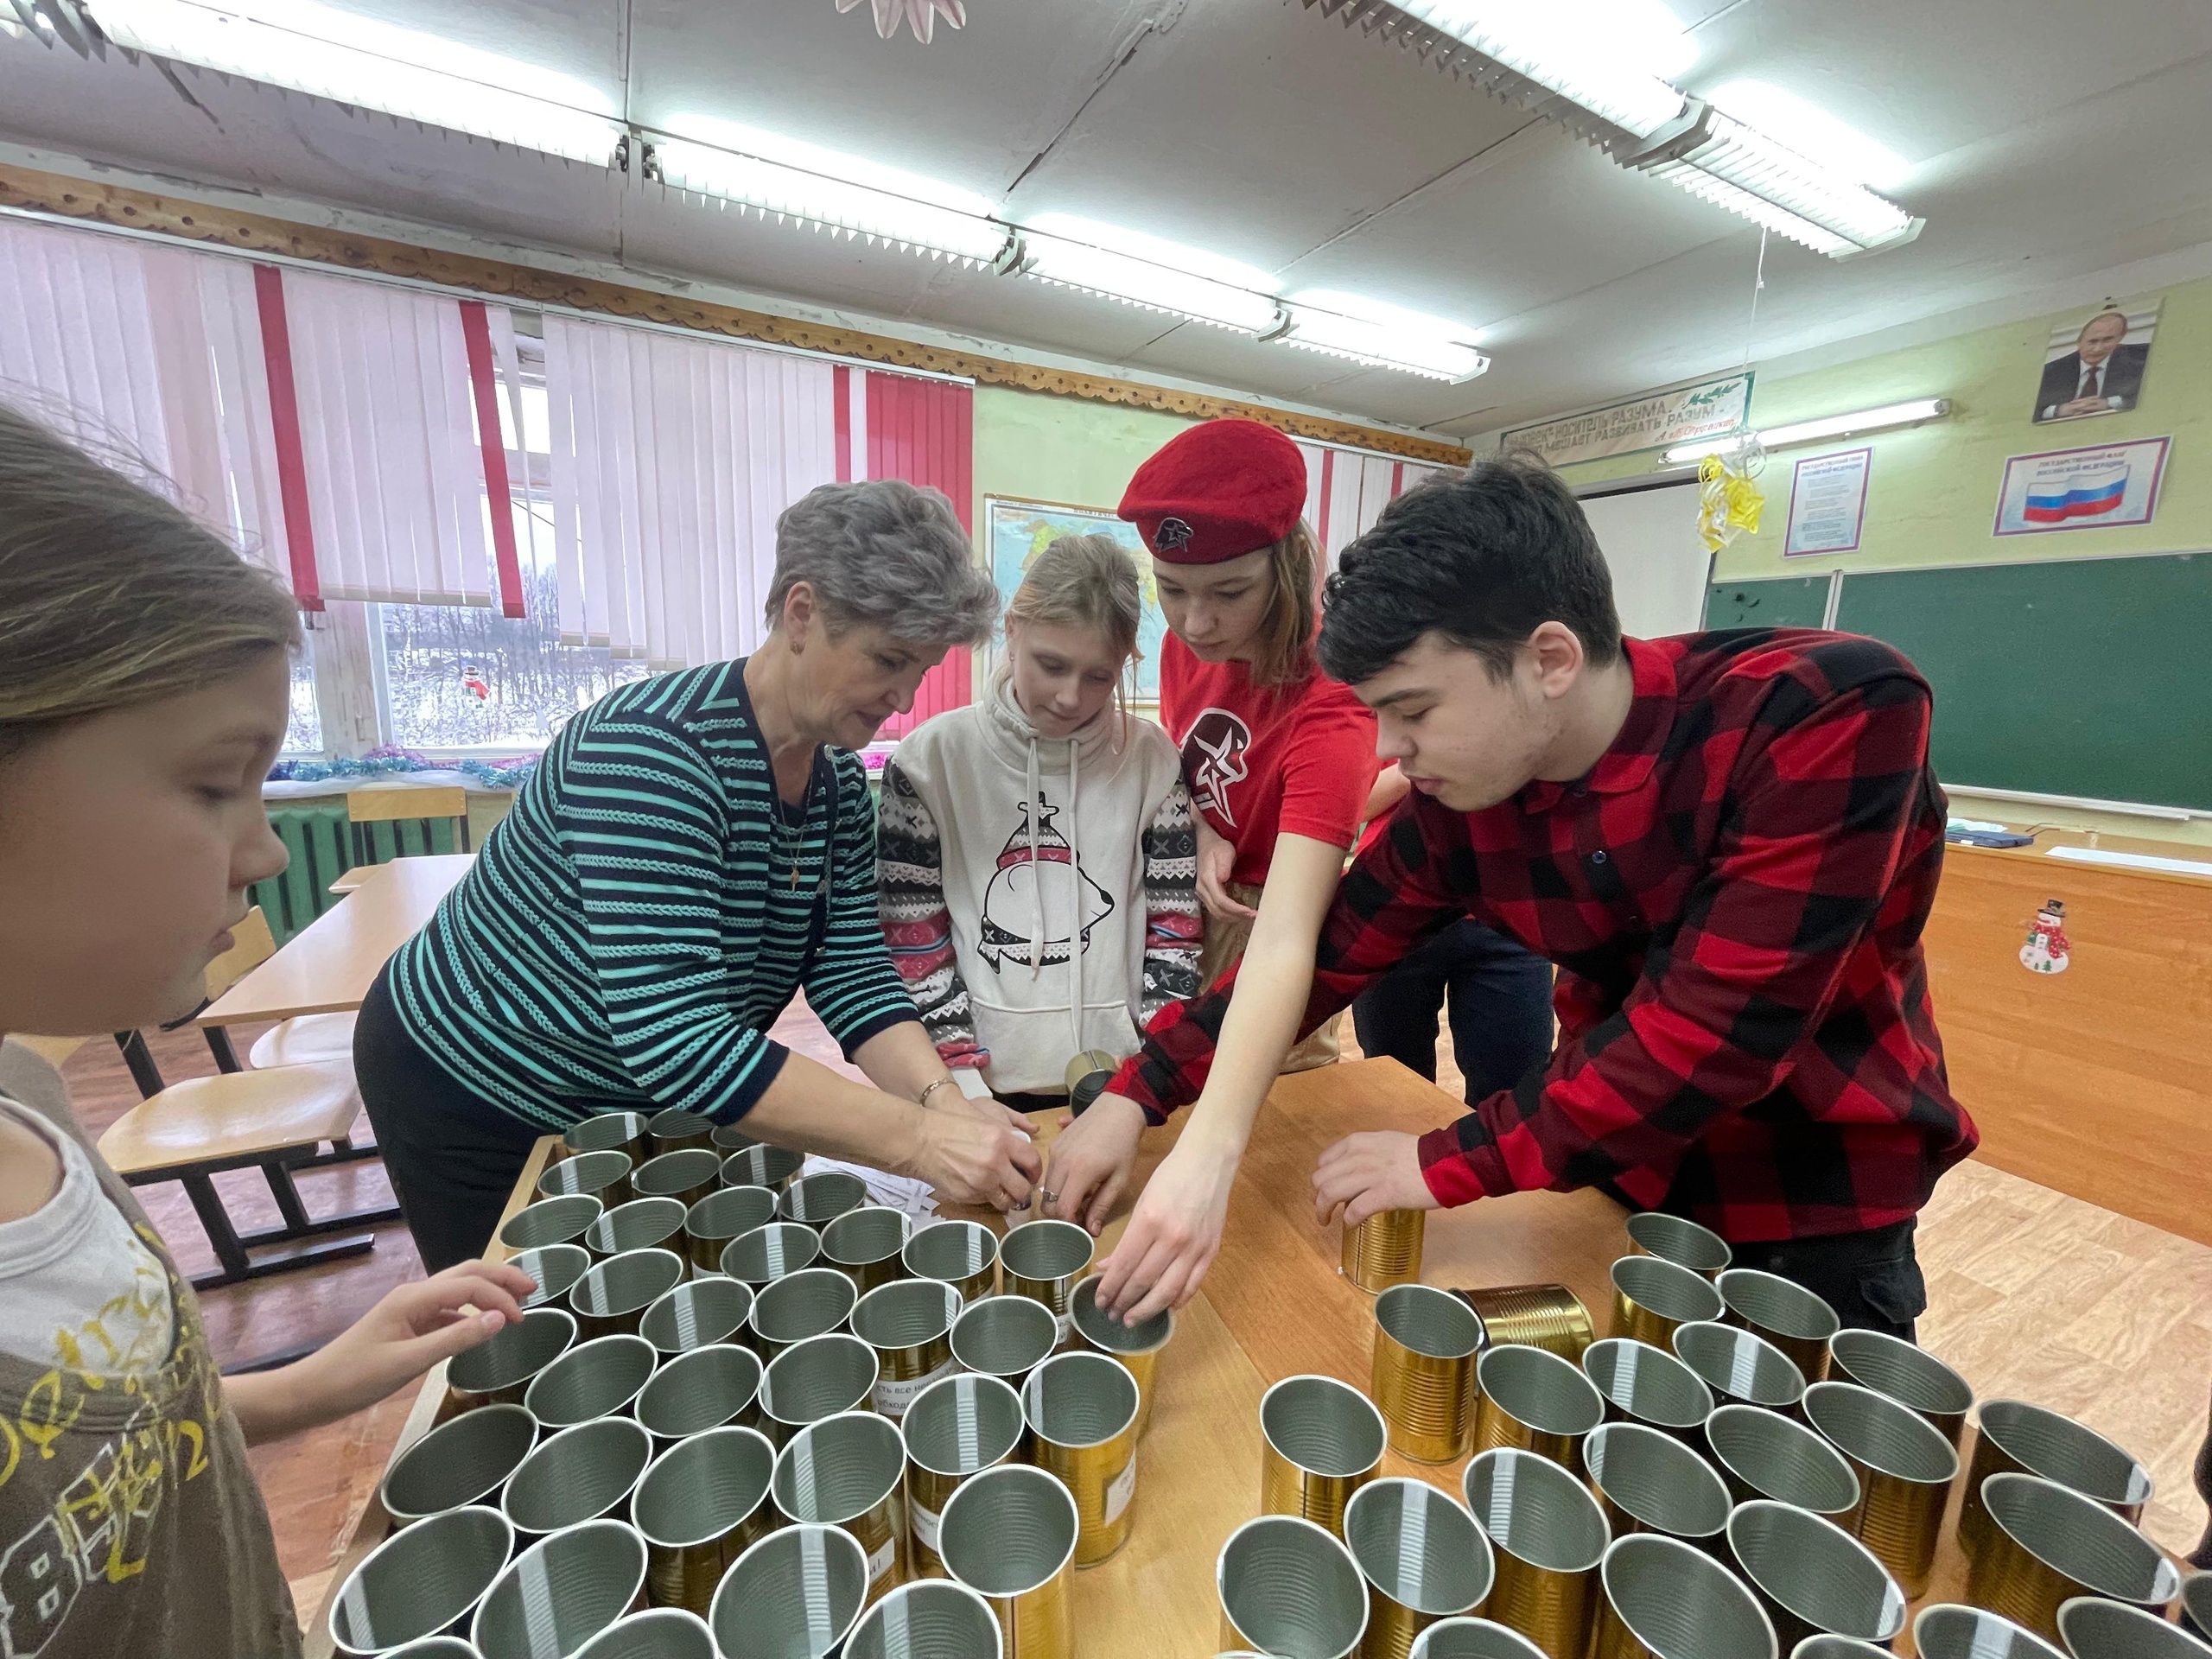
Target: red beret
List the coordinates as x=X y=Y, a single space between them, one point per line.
x=1216 y=491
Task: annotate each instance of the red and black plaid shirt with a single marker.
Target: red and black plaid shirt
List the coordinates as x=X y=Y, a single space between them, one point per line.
x=1734 y=895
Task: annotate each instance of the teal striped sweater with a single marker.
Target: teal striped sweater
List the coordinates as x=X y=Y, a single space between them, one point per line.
x=631 y=930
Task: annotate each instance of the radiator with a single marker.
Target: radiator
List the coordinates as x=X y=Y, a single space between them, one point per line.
x=317 y=835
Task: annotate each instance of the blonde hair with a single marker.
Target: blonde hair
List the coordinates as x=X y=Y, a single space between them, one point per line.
x=110 y=595
x=1085 y=582
x=1283 y=648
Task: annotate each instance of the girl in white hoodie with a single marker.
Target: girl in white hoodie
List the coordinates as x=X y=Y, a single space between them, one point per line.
x=1035 y=852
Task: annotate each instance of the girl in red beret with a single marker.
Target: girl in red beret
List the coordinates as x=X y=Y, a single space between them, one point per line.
x=1279 y=760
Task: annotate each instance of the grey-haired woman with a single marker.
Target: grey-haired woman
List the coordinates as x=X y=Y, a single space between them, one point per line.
x=694 y=850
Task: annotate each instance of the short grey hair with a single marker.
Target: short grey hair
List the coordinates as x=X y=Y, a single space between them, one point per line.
x=884 y=554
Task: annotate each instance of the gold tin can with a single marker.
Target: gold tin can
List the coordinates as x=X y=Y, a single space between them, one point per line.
x=764 y=1254
x=465 y=1459
x=1761 y=1454
x=1289 y=1586
x=1422 y=1375
x=1422 y=1556
x=622 y=1132
x=774 y=1167
x=585 y=1472
x=1908 y=1374
x=1647 y=1481
x=864 y=1244
x=728 y=1213
x=581 y=1578
x=799 y=1590
x=702 y=1388
x=957 y=1427
x=677 y=1130
x=1137 y=1347
x=1740 y=1367
x=909 y=1323
x=1009 y=1534
x=1384 y=1250
x=850 y=1471
x=562 y=1220
x=1661 y=1599
x=612 y=1297
x=1905 y=1468
x=1642 y=1384
x=2046 y=1545
x=1548 y=1537
x=1533 y=1398
x=1947 y=1631
x=962 y=1254
x=1081 y=1412
x=1473 y=1638
x=1044 y=1261
x=1812 y=1577
x=1541 y=1316
x=497 y=1372
x=1672 y=1238
x=2014 y=1438
x=553 y=1267
x=697 y=1313
x=936 y=1620
x=1321 y=1441
x=602 y=1175
x=641 y=1224
x=822 y=1377
x=686 y=1175
x=701 y=1505
x=1783 y=1311
x=1653 y=1299
x=1006 y=1337
x=812 y=1302
x=818 y=1199
x=599 y=1378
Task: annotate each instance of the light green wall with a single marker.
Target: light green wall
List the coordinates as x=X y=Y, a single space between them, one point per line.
x=1079 y=453
x=1931 y=498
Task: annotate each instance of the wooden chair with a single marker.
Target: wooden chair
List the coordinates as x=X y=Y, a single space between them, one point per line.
x=419 y=805
x=275 y=1120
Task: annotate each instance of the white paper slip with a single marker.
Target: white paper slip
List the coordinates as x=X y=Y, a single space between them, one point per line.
x=884 y=1560
x=1120 y=1491
x=892 y=1399
x=925 y=1525
x=1062 y=1324
x=917 y=1198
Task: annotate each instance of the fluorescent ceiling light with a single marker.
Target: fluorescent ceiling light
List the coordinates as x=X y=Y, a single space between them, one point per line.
x=782 y=176
x=1142 y=270
x=1715 y=156
x=358 y=60
x=1883 y=419
x=1599 y=55
x=1814 y=133
x=1381 y=336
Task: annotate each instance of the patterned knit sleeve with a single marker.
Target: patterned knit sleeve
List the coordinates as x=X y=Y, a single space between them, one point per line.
x=1172 y=923
x=918 y=926
x=851 y=982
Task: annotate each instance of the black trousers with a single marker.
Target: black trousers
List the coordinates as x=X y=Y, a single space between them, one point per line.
x=454 y=1157
x=1873 y=1280
x=1497 y=993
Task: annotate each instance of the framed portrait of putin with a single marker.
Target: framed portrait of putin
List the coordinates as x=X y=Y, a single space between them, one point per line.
x=2093 y=364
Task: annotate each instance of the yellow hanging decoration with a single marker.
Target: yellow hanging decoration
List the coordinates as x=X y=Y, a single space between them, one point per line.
x=1729 y=504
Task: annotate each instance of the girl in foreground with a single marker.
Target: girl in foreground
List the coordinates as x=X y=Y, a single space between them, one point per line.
x=1035 y=853
x=1279 y=760
x=144 y=689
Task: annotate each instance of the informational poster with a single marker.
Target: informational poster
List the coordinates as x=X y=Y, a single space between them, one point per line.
x=1016 y=531
x=1712 y=408
x=2081 y=489
x=1827 y=503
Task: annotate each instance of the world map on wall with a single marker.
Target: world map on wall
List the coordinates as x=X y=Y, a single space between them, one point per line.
x=1017 y=531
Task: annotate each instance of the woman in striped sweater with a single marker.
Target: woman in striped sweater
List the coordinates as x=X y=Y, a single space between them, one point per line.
x=1037 y=857
x=695 y=849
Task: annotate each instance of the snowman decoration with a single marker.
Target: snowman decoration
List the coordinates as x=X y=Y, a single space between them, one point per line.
x=1039 y=888
x=2045 y=952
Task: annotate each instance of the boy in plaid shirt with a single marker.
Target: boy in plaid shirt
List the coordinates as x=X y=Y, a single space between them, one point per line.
x=1729 y=842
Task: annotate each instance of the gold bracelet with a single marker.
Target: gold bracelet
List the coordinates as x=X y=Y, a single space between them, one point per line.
x=923 y=1099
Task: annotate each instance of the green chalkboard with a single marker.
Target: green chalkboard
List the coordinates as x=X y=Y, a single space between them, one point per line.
x=1775 y=602
x=2088 y=676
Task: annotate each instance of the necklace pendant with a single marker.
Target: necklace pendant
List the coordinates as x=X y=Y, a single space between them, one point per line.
x=794 y=874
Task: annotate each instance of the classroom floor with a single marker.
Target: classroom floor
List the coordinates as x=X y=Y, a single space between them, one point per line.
x=2032 y=1293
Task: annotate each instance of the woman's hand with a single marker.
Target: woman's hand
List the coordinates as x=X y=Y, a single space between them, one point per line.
x=1367 y=1174
x=1217 y=858
x=974 y=1156
x=1175 y=1233
x=1091 y=1160
x=413 y=1328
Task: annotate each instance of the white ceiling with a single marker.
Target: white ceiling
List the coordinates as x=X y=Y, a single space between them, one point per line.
x=2050 y=141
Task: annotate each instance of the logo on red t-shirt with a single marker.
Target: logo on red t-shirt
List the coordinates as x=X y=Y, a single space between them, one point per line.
x=1213 y=760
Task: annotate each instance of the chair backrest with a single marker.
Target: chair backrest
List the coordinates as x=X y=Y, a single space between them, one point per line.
x=388 y=804
x=252 y=944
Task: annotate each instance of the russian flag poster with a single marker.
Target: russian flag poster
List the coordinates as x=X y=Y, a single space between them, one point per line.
x=2081 y=489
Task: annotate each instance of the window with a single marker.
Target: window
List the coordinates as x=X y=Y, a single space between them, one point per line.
x=303 y=730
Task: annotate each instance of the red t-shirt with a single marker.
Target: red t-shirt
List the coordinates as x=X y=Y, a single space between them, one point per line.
x=1296 y=759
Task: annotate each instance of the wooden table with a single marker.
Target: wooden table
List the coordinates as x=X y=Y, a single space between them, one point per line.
x=330 y=966
x=1274 y=1305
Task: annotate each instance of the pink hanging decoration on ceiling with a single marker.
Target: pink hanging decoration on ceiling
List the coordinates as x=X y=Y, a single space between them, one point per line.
x=920 y=16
